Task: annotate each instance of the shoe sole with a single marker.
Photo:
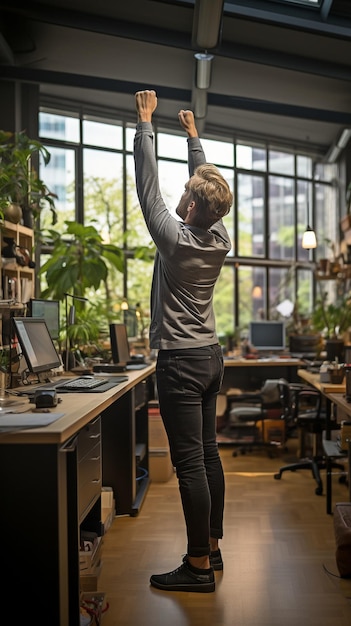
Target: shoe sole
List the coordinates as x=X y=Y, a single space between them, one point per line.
x=201 y=588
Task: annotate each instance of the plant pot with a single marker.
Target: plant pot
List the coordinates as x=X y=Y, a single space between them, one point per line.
x=335 y=350
x=13 y=213
x=336 y=375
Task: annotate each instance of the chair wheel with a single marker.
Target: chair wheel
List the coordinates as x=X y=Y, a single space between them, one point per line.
x=318 y=491
x=277 y=476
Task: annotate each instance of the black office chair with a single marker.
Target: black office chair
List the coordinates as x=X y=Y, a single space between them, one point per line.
x=248 y=413
x=309 y=419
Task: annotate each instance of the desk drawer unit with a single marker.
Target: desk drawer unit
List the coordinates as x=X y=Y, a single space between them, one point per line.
x=89 y=466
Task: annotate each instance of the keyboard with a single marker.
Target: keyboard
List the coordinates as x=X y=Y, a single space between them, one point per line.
x=78 y=384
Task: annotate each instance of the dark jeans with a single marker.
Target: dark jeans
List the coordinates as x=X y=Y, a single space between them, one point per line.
x=188 y=382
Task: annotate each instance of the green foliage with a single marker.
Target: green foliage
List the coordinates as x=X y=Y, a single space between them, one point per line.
x=332 y=318
x=79 y=260
x=19 y=181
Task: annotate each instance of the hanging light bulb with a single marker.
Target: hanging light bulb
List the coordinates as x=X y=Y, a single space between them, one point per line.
x=309 y=239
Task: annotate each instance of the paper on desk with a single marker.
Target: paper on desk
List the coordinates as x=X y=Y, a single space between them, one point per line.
x=18 y=421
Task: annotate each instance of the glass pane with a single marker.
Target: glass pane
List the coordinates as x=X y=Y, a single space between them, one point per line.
x=172 y=146
x=139 y=287
x=258 y=294
x=251 y=212
x=326 y=171
x=303 y=305
x=130 y=134
x=281 y=292
x=223 y=303
x=246 y=280
x=304 y=166
x=176 y=147
x=173 y=177
x=251 y=158
x=103 y=193
x=326 y=222
x=59 y=176
x=137 y=232
x=281 y=218
x=281 y=162
x=104 y=135
x=229 y=219
x=218 y=152
x=54 y=126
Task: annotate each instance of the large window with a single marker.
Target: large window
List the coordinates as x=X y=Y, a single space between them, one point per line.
x=276 y=194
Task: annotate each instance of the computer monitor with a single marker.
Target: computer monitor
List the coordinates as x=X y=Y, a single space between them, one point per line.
x=267 y=336
x=49 y=310
x=119 y=343
x=37 y=346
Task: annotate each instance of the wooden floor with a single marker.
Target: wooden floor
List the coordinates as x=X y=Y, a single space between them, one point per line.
x=278 y=551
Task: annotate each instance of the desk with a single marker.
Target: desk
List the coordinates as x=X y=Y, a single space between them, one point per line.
x=250 y=374
x=332 y=449
x=326 y=389
x=41 y=504
x=334 y=395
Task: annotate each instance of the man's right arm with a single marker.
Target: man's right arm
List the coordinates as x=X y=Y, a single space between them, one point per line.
x=161 y=225
x=196 y=154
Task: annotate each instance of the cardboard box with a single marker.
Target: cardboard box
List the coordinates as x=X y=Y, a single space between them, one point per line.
x=157 y=433
x=89 y=582
x=160 y=465
x=90 y=559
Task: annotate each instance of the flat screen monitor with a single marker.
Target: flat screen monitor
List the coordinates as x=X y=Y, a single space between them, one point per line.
x=36 y=344
x=49 y=310
x=267 y=335
x=119 y=343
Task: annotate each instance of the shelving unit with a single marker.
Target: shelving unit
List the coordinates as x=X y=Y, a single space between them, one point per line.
x=17 y=281
x=125 y=439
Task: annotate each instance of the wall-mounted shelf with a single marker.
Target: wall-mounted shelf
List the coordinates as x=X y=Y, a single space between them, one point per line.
x=17 y=280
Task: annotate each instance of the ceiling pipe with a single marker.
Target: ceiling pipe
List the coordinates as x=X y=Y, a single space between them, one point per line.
x=207 y=23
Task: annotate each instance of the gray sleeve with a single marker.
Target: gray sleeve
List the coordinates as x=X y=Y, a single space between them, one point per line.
x=196 y=155
x=163 y=228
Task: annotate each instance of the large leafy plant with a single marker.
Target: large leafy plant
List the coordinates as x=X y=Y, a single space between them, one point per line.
x=332 y=318
x=79 y=260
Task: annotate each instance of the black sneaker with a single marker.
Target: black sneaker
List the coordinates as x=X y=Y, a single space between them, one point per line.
x=216 y=560
x=184 y=579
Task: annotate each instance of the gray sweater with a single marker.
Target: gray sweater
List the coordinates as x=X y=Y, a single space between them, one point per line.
x=188 y=259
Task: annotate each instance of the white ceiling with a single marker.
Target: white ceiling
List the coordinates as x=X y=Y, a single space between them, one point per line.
x=280 y=70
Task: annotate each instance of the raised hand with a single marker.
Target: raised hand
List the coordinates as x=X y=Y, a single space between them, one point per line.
x=187 y=121
x=146 y=103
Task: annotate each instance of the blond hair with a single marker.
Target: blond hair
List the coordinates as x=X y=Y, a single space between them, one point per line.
x=211 y=194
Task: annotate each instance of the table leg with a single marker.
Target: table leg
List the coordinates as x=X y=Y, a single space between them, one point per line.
x=329 y=463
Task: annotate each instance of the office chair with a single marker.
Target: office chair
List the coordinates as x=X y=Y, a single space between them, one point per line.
x=248 y=413
x=308 y=417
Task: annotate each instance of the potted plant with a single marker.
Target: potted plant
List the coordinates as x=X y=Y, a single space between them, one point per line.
x=22 y=192
x=332 y=319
